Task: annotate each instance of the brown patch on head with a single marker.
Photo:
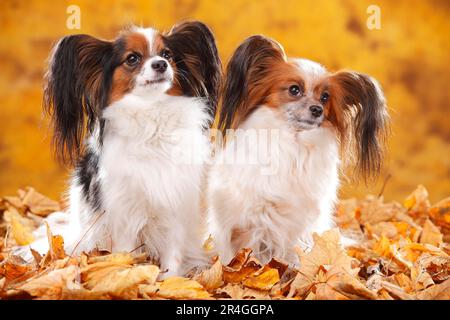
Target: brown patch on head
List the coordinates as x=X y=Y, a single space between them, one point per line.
x=282 y=76
x=124 y=75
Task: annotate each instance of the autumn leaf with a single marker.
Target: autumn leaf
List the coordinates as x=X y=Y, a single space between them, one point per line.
x=327 y=252
x=211 y=278
x=175 y=288
x=52 y=284
x=440 y=215
x=118 y=280
x=21 y=228
x=237 y=292
x=437 y=292
x=263 y=280
x=56 y=244
x=38 y=203
x=418 y=200
x=12 y=271
x=431 y=234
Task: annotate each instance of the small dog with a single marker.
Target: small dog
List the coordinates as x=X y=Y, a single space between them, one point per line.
x=144 y=101
x=316 y=117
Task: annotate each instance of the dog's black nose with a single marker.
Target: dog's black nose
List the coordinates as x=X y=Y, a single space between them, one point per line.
x=159 y=66
x=316 y=111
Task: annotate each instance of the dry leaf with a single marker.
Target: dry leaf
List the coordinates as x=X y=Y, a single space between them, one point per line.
x=56 y=244
x=21 y=228
x=264 y=279
x=176 y=288
x=38 y=203
x=212 y=278
x=440 y=214
x=237 y=292
x=118 y=280
x=418 y=200
x=52 y=284
x=437 y=292
x=431 y=234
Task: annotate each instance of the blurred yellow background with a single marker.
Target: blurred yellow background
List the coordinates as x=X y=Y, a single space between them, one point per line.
x=409 y=55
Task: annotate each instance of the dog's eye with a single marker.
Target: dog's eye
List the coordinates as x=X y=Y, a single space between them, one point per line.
x=294 y=90
x=166 y=54
x=324 y=97
x=133 y=59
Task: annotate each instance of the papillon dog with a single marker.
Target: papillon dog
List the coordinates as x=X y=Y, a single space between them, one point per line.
x=314 y=119
x=130 y=114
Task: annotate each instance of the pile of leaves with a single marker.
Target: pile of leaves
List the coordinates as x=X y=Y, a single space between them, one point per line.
x=401 y=251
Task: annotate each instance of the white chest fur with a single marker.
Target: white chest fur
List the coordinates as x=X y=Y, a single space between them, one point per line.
x=151 y=169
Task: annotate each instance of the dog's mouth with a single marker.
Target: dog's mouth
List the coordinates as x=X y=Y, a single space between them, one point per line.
x=149 y=83
x=307 y=124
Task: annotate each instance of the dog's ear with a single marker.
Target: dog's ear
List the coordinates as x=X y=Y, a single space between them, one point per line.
x=247 y=69
x=76 y=89
x=198 y=65
x=361 y=100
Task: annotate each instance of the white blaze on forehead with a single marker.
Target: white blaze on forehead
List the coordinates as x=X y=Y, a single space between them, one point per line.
x=150 y=34
x=311 y=72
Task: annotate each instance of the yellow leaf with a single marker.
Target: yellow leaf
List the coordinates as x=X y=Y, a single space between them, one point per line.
x=176 y=288
x=118 y=280
x=20 y=227
x=237 y=292
x=417 y=200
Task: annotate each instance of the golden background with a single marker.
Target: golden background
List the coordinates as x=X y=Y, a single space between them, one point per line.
x=409 y=56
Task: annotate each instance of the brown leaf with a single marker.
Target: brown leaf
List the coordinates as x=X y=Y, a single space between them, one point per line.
x=436 y=292
x=440 y=214
x=56 y=244
x=175 y=288
x=237 y=292
x=211 y=278
x=431 y=234
x=38 y=203
x=118 y=280
x=53 y=284
x=12 y=271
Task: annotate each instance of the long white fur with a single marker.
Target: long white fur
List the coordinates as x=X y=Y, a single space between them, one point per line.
x=150 y=182
x=271 y=214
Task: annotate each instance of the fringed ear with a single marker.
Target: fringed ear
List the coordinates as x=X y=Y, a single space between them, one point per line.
x=197 y=61
x=76 y=90
x=361 y=98
x=250 y=64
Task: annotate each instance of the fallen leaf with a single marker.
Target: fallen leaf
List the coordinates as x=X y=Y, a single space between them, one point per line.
x=120 y=281
x=56 y=244
x=211 y=278
x=237 y=292
x=417 y=201
x=53 y=284
x=264 y=279
x=176 y=288
x=436 y=292
x=21 y=228
x=38 y=203
x=431 y=234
